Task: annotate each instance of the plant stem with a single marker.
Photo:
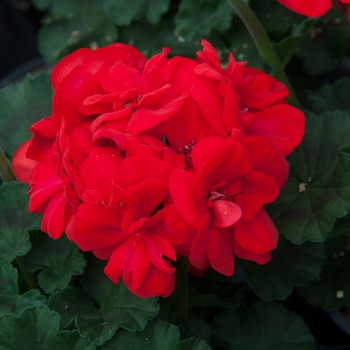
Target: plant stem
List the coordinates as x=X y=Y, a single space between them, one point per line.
x=181 y=292
x=26 y=275
x=5 y=170
x=263 y=44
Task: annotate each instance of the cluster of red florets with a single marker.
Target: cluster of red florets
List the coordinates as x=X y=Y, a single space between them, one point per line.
x=143 y=160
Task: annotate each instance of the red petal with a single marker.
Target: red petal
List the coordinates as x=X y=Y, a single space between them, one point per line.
x=192 y=210
x=282 y=124
x=220 y=251
x=93 y=227
x=23 y=166
x=310 y=8
x=267 y=159
x=259 y=236
x=225 y=213
x=65 y=66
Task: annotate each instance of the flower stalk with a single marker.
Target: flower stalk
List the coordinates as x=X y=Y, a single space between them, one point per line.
x=264 y=45
x=181 y=292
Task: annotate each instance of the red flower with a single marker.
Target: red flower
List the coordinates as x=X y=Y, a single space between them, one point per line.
x=145 y=159
x=245 y=99
x=223 y=198
x=313 y=8
x=118 y=220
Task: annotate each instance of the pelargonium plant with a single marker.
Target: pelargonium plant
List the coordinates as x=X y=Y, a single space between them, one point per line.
x=178 y=194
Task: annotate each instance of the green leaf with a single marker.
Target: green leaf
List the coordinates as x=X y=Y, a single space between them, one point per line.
x=196 y=327
x=322 y=50
x=318 y=191
x=262 y=326
x=37 y=328
x=21 y=105
x=158 y=335
x=10 y=299
x=42 y=4
x=58 y=261
x=332 y=289
x=214 y=299
x=275 y=18
x=290 y=265
x=242 y=45
x=70 y=25
x=123 y=12
x=213 y=14
x=285 y=49
x=15 y=220
x=330 y=97
x=103 y=307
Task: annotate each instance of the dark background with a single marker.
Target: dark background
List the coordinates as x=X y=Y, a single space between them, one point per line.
x=19 y=25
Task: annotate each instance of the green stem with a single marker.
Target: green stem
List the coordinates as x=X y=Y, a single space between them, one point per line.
x=263 y=44
x=181 y=292
x=5 y=170
x=26 y=275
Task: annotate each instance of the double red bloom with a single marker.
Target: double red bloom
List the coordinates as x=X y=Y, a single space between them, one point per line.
x=143 y=160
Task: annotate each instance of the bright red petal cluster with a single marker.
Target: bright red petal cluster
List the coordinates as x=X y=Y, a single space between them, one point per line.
x=313 y=8
x=143 y=160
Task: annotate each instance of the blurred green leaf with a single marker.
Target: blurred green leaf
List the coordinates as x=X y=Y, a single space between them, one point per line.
x=275 y=18
x=323 y=48
x=58 y=261
x=42 y=4
x=37 y=328
x=332 y=289
x=263 y=326
x=15 y=220
x=330 y=97
x=290 y=265
x=21 y=105
x=10 y=299
x=70 y=25
x=158 y=335
x=318 y=189
x=123 y=12
x=285 y=49
x=202 y=16
x=102 y=307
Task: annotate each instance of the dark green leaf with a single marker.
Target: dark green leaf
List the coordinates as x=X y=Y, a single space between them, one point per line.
x=58 y=261
x=10 y=300
x=290 y=265
x=158 y=335
x=15 y=220
x=201 y=17
x=285 y=49
x=42 y=4
x=330 y=97
x=324 y=46
x=21 y=105
x=37 y=328
x=266 y=326
x=123 y=12
x=318 y=191
x=213 y=299
x=74 y=24
x=242 y=45
x=103 y=307
x=332 y=289
x=196 y=327
x=275 y=18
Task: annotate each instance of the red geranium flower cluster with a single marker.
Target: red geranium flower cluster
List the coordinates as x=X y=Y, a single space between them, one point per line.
x=143 y=160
